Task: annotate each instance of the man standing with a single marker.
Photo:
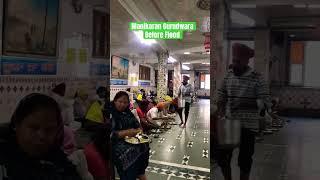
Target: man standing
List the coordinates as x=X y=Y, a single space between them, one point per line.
x=237 y=100
x=184 y=94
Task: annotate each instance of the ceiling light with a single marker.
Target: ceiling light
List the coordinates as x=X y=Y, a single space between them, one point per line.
x=205 y=63
x=186 y=53
x=239 y=18
x=184 y=67
x=139 y=34
x=171 y=60
x=185 y=63
x=292 y=35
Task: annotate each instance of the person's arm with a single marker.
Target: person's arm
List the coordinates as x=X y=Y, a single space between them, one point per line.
x=179 y=91
x=128 y=132
x=221 y=99
x=263 y=92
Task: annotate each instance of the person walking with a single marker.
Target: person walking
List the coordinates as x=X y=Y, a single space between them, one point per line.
x=184 y=95
x=237 y=100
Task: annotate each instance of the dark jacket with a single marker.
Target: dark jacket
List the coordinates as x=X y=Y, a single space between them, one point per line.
x=16 y=165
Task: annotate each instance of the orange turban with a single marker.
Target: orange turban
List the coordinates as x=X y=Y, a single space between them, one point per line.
x=161 y=105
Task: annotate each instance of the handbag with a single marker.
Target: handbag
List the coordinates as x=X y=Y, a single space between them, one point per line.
x=228 y=132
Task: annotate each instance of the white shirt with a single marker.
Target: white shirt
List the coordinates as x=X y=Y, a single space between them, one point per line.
x=152 y=113
x=134 y=112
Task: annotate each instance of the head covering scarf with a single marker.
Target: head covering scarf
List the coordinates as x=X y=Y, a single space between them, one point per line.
x=27 y=106
x=242 y=52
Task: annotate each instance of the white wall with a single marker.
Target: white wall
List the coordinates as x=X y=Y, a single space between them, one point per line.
x=72 y=25
x=312 y=64
x=69 y=22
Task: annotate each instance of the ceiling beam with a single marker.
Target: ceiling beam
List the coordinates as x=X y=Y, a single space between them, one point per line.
x=251 y=3
x=137 y=14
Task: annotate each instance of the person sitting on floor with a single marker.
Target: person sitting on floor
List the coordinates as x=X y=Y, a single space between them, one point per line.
x=98 y=155
x=142 y=111
x=81 y=105
x=95 y=116
x=157 y=115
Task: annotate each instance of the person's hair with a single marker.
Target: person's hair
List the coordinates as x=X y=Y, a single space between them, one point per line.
x=101 y=89
x=60 y=89
x=154 y=103
x=101 y=140
x=33 y=103
x=119 y=95
x=144 y=104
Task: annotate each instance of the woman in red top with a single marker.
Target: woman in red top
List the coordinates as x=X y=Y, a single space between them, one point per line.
x=98 y=155
x=142 y=111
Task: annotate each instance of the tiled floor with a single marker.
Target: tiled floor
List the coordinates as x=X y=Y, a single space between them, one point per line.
x=183 y=153
x=290 y=154
x=180 y=153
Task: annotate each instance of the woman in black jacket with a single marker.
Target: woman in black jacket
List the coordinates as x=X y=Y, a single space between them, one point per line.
x=31 y=148
x=130 y=160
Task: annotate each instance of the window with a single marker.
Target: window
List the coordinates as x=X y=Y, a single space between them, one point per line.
x=205 y=81
x=296 y=63
x=304 y=63
x=100 y=37
x=144 y=73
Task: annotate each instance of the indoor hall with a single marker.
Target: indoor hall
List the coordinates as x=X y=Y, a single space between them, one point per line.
x=155 y=70
x=285 y=38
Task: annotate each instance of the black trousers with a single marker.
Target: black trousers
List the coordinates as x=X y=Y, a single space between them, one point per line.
x=186 y=111
x=224 y=156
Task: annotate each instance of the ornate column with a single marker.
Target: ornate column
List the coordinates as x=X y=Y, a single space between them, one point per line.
x=176 y=78
x=162 y=73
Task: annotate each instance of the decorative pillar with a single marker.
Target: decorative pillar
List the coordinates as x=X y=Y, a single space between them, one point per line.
x=262 y=52
x=192 y=78
x=176 y=78
x=220 y=19
x=162 y=73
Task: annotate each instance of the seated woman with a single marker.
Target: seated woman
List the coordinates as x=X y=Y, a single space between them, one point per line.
x=98 y=155
x=131 y=160
x=142 y=113
x=32 y=147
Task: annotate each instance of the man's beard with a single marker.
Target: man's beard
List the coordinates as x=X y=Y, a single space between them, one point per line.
x=184 y=83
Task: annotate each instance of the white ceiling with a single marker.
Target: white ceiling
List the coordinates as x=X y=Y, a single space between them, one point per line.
x=279 y=15
x=125 y=43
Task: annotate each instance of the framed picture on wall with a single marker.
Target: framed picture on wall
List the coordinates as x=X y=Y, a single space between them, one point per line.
x=30 y=27
x=119 y=70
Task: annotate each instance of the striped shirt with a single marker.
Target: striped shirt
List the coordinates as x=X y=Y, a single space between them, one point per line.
x=240 y=94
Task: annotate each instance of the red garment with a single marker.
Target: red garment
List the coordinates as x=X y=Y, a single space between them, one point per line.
x=97 y=165
x=241 y=51
x=141 y=114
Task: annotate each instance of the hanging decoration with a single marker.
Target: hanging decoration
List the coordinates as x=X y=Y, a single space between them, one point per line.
x=207 y=41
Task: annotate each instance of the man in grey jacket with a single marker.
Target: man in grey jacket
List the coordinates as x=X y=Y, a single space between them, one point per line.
x=237 y=100
x=185 y=95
